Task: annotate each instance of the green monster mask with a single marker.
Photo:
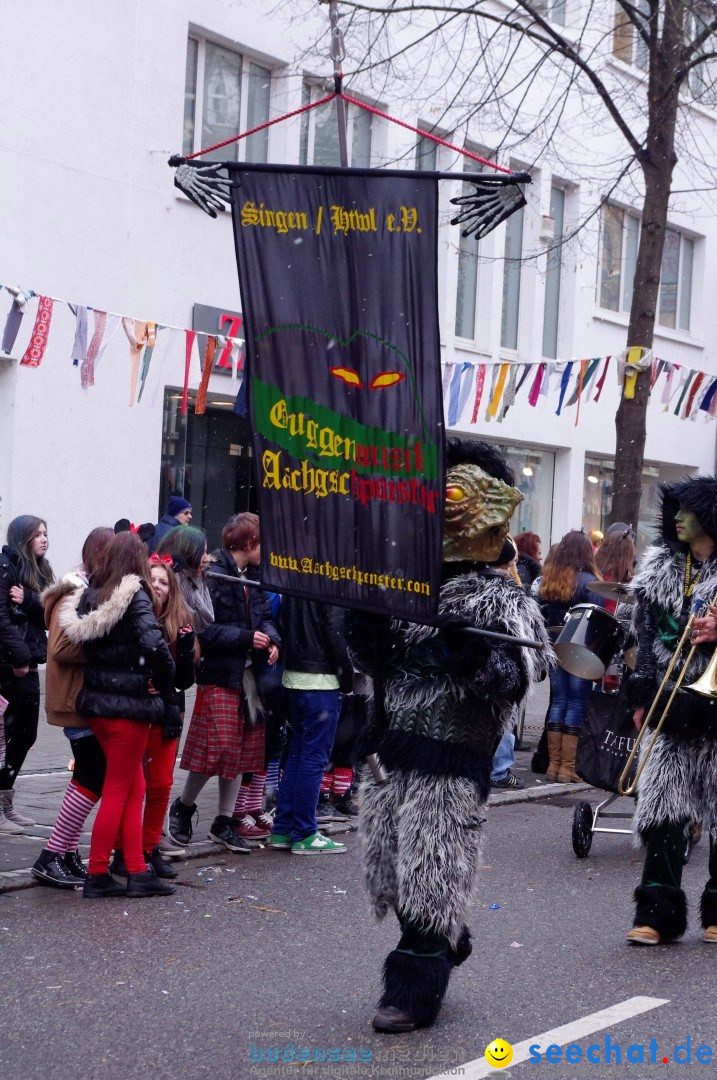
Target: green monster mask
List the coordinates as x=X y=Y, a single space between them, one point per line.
x=478 y=512
x=688 y=526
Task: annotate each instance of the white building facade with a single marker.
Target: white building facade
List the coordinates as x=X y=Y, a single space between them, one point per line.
x=90 y=216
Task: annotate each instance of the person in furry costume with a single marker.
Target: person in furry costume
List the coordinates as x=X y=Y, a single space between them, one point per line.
x=678 y=785
x=447 y=697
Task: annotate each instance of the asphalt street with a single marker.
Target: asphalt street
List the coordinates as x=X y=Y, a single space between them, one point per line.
x=271 y=950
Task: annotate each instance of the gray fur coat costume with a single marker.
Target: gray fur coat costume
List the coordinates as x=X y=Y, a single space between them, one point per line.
x=679 y=781
x=448 y=698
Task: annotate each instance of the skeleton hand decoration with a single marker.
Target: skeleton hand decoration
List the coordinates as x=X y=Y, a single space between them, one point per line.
x=203 y=185
x=491 y=202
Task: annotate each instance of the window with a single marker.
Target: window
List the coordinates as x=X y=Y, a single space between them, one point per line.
x=511 y=280
x=628 y=43
x=701 y=77
x=554 y=10
x=620 y=238
x=319 y=143
x=224 y=93
x=467 y=287
x=426 y=151
x=551 y=309
x=598 y=493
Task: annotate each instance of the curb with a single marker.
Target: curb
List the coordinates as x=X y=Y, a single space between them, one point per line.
x=533 y=794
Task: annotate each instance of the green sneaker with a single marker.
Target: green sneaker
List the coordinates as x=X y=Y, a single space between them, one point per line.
x=317 y=844
x=280 y=841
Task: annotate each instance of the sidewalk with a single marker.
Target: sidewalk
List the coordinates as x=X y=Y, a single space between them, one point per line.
x=42 y=783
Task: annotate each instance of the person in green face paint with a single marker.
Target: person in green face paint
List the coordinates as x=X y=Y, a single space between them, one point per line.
x=678 y=786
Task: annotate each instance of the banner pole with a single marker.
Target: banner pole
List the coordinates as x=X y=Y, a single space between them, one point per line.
x=338 y=54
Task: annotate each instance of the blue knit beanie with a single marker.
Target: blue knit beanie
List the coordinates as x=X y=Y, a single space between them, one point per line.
x=176 y=504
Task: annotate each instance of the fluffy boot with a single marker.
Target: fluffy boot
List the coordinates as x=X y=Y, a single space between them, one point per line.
x=568 y=750
x=7 y=827
x=11 y=813
x=555 y=739
x=664 y=910
x=415 y=985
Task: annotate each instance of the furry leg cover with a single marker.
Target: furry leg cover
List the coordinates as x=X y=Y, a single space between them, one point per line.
x=678 y=783
x=462 y=950
x=415 y=984
x=708 y=908
x=665 y=910
x=422 y=839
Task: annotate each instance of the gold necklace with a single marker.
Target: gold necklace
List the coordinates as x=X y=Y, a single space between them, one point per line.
x=690 y=581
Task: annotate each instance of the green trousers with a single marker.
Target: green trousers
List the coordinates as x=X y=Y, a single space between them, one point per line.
x=664 y=857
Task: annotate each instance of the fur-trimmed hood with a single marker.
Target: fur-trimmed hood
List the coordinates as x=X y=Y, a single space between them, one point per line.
x=698 y=494
x=97 y=623
x=52 y=596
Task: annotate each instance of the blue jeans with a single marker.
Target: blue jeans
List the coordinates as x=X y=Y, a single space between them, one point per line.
x=504 y=757
x=314 y=717
x=568 y=699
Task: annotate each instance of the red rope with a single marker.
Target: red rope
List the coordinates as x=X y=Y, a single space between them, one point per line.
x=253 y=131
x=425 y=134
x=361 y=105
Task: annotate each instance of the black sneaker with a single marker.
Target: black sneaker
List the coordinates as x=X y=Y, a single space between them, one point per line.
x=223 y=832
x=75 y=865
x=180 y=822
x=510 y=781
x=50 y=869
x=148 y=884
x=161 y=867
x=100 y=885
x=345 y=805
x=118 y=865
x=326 y=812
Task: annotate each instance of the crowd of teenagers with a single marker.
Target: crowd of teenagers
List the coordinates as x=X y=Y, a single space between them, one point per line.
x=147 y=614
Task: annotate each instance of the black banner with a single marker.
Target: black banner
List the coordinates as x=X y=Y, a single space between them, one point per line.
x=339 y=294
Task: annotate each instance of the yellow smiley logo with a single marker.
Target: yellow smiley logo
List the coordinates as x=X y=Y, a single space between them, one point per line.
x=499 y=1053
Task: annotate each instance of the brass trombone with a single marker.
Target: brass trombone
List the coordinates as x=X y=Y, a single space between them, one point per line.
x=706 y=686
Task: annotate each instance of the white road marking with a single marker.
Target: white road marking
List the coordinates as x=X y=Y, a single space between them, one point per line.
x=560 y=1036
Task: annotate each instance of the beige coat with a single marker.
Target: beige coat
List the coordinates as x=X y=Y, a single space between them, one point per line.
x=65 y=660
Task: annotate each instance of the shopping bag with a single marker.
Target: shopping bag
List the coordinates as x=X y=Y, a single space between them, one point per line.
x=607 y=737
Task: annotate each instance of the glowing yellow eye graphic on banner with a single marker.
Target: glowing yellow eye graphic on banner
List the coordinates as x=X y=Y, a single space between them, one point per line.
x=386 y=378
x=455 y=494
x=351 y=378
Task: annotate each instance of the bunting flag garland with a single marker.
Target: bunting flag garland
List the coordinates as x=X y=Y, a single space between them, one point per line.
x=41 y=332
x=468 y=384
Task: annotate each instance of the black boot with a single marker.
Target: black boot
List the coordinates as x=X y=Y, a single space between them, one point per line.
x=708 y=908
x=50 y=869
x=118 y=865
x=180 y=822
x=414 y=988
x=100 y=885
x=661 y=910
x=148 y=884
x=161 y=867
x=75 y=865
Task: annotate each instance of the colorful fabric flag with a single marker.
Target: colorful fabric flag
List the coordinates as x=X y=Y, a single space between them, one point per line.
x=14 y=321
x=79 y=345
x=694 y=389
x=601 y=380
x=201 y=403
x=710 y=396
x=564 y=385
x=453 y=393
x=136 y=332
x=35 y=351
x=190 y=335
x=480 y=383
x=498 y=393
x=466 y=387
x=534 y=392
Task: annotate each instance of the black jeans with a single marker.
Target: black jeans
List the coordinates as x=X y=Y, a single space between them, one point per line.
x=20 y=719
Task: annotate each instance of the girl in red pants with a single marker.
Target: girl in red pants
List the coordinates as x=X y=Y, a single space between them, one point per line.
x=127 y=677
x=173 y=615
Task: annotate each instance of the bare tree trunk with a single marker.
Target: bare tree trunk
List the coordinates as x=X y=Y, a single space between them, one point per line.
x=658 y=161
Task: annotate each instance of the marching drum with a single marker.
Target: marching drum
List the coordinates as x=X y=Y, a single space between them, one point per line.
x=588 y=641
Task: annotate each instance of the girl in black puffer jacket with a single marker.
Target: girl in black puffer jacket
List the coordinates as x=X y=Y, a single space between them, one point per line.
x=24 y=573
x=128 y=674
